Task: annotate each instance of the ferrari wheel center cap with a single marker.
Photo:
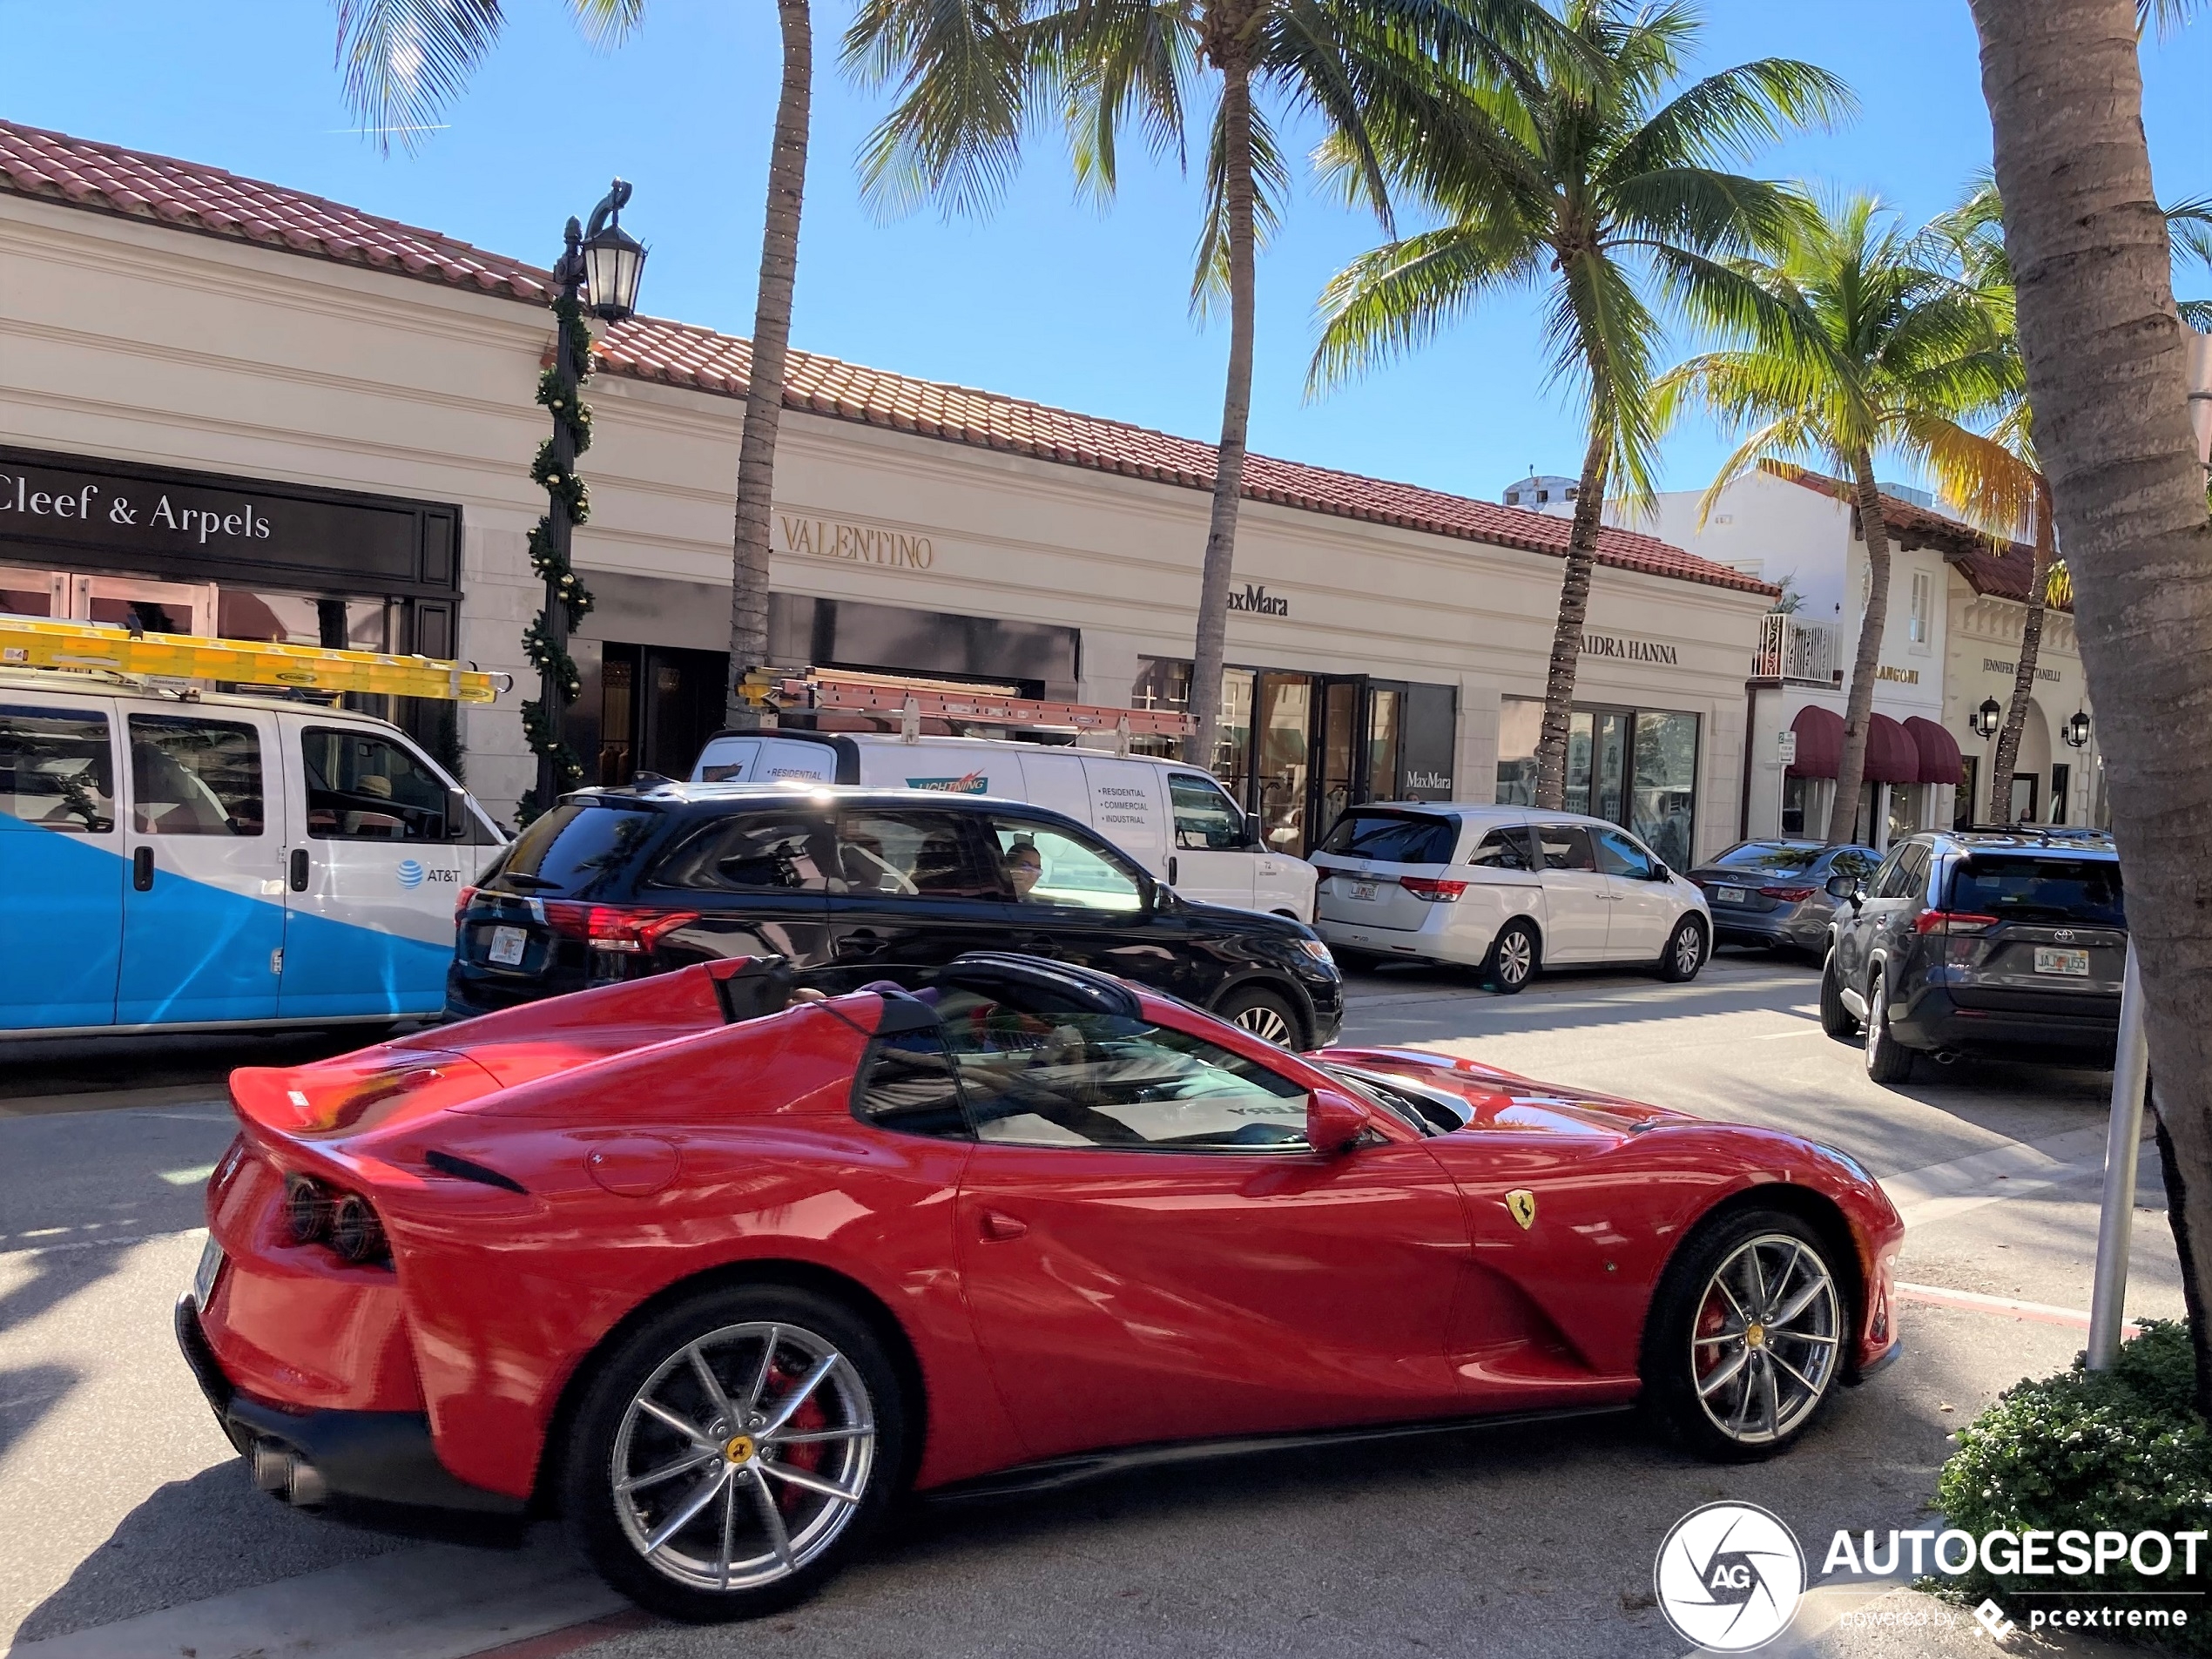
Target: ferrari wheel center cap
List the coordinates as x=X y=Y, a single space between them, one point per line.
x=738 y=1449
x=1754 y=1334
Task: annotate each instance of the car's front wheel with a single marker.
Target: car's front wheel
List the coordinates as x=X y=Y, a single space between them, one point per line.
x=1745 y=1342
x=733 y=1451
x=1267 y=1014
x=1888 y=1060
x=1836 y=1020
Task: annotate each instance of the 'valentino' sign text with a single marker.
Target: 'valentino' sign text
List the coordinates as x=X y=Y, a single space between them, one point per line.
x=830 y=538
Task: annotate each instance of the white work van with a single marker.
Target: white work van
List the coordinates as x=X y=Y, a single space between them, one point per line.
x=1172 y=817
x=170 y=862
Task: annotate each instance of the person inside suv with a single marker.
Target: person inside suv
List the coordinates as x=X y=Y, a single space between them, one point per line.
x=1024 y=864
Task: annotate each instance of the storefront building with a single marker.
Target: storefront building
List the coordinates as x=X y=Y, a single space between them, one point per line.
x=362 y=392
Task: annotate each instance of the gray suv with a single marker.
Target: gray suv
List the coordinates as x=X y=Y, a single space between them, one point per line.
x=1999 y=942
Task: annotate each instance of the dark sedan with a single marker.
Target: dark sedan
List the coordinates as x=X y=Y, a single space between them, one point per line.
x=616 y=883
x=1781 y=894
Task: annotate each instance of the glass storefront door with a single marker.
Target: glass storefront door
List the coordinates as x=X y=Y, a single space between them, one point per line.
x=1282 y=722
x=1635 y=767
x=1337 y=785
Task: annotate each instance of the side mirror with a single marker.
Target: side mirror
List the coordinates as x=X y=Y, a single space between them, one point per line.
x=1857 y=896
x=1255 y=830
x=457 y=823
x=1660 y=872
x=1841 y=886
x=1334 y=1121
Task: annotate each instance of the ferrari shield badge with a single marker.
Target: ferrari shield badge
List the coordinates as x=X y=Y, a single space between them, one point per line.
x=1522 y=1204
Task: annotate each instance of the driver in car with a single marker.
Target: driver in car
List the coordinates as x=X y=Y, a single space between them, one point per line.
x=1024 y=864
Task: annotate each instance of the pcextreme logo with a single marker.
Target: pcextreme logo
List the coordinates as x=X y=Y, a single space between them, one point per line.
x=1729 y=1577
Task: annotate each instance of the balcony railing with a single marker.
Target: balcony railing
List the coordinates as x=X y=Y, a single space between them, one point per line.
x=1803 y=652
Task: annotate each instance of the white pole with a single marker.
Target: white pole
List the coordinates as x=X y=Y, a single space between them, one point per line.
x=2130 y=1072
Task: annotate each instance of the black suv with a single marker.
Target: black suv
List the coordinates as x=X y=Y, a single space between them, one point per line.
x=2006 y=942
x=616 y=883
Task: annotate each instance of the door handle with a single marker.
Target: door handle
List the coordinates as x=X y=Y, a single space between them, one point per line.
x=1171 y=869
x=142 y=869
x=299 y=869
x=1033 y=944
x=860 y=942
x=998 y=1227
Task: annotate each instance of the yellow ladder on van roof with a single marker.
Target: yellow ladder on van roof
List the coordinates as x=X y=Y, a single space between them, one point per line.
x=166 y=659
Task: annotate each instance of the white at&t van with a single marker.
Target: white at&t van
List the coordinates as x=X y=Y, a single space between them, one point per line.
x=1172 y=817
x=170 y=862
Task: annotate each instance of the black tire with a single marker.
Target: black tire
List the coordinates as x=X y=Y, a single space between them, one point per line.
x=1267 y=1014
x=1888 y=1060
x=1836 y=1020
x=1689 y=1327
x=1686 y=952
x=859 y=1390
x=1515 y=955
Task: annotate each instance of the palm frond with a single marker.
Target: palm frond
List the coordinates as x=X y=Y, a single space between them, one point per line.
x=404 y=61
x=962 y=73
x=1400 y=295
x=1270 y=186
x=1731 y=114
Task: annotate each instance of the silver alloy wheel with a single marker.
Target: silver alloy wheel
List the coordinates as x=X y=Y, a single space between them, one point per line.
x=1689 y=950
x=743 y=1457
x=1516 y=957
x=1764 y=1346
x=1265 y=1023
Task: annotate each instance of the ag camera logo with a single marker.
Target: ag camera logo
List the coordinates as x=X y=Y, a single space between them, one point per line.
x=1729 y=1577
x=411 y=874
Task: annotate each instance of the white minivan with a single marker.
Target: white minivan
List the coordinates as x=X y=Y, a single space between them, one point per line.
x=1173 y=819
x=169 y=863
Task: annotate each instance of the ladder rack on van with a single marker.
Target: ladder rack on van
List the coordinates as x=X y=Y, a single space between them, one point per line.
x=911 y=700
x=171 y=660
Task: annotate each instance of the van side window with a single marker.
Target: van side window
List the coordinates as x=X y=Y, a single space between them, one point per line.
x=363 y=787
x=1618 y=855
x=1205 y=817
x=190 y=775
x=1566 y=846
x=1505 y=849
x=56 y=770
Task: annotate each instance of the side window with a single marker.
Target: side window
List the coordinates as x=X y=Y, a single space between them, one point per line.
x=1047 y=866
x=194 y=776
x=909 y=1085
x=56 y=770
x=1618 y=855
x=1913 y=875
x=1205 y=817
x=1888 y=880
x=363 y=787
x=772 y=852
x=915 y=853
x=1510 y=848
x=1566 y=846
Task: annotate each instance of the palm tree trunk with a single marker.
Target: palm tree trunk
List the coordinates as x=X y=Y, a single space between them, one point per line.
x=764 y=400
x=2008 y=740
x=1859 y=701
x=1573 y=609
x=1236 y=412
x=2105 y=357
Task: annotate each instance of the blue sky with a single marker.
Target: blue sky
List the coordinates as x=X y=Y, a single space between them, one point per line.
x=1049 y=299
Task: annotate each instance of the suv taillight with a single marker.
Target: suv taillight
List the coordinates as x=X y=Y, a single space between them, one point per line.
x=1953 y=923
x=461 y=905
x=1432 y=888
x=625 y=928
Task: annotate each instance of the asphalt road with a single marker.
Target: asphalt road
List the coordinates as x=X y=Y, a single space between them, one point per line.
x=119 y=1500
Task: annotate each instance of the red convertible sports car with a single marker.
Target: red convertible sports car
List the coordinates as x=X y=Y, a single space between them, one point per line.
x=717 y=1268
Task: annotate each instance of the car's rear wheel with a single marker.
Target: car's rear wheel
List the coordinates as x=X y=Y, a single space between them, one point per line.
x=1745 y=1342
x=733 y=1451
x=1513 y=960
x=1836 y=1020
x=1685 y=952
x=1888 y=1060
x=1267 y=1014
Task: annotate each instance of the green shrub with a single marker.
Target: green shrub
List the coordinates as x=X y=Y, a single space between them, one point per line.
x=2122 y=1450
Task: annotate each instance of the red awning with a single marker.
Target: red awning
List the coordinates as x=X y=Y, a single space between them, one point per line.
x=1820 y=742
x=1892 y=756
x=1939 y=761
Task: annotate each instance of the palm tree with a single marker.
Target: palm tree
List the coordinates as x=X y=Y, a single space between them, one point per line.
x=971 y=78
x=1851 y=341
x=1582 y=185
x=406 y=59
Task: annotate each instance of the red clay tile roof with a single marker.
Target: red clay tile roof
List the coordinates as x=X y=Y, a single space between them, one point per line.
x=187 y=196
x=1994 y=568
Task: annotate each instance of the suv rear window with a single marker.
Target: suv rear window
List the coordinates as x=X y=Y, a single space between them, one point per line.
x=579 y=850
x=2022 y=884
x=1393 y=838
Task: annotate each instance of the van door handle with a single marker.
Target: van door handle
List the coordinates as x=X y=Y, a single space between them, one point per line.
x=1171 y=869
x=299 y=869
x=998 y=1227
x=860 y=942
x=142 y=869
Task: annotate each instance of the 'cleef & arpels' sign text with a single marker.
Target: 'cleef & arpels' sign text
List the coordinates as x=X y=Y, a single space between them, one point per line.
x=831 y=538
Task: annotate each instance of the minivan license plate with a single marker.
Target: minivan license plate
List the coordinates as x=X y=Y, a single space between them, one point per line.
x=506 y=946
x=2075 y=963
x=1363 y=889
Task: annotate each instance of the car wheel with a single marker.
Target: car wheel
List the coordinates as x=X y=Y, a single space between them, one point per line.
x=1836 y=1020
x=733 y=1451
x=1685 y=953
x=1888 y=1060
x=1746 y=1337
x=1267 y=1014
x=1513 y=960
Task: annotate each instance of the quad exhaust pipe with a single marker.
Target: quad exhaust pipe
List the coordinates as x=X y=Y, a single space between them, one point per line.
x=283 y=1473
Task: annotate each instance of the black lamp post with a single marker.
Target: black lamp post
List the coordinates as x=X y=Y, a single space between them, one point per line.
x=1988 y=717
x=2077 y=729
x=605 y=261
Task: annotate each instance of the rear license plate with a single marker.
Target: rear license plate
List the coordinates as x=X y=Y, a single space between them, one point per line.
x=1728 y=896
x=2072 y=962
x=506 y=946
x=204 y=1276
x=1363 y=889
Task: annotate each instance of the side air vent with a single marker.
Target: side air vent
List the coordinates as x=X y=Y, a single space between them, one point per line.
x=463 y=1170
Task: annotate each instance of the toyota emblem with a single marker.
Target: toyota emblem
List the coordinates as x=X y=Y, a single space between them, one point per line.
x=2063 y=936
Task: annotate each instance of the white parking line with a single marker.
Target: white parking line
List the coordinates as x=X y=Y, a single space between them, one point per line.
x=1975 y=1301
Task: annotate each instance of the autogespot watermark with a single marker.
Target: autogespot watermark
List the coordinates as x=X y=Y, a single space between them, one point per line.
x=1728 y=1576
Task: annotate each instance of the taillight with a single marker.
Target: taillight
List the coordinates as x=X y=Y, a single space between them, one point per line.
x=461 y=905
x=1788 y=895
x=1432 y=888
x=617 y=927
x=1955 y=923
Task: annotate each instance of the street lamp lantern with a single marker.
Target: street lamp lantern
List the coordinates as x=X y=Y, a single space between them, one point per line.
x=1988 y=717
x=2077 y=729
x=614 y=260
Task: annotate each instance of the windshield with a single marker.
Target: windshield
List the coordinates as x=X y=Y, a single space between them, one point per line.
x=1768 y=858
x=579 y=850
x=1430 y=1113
x=2008 y=885
x=1393 y=838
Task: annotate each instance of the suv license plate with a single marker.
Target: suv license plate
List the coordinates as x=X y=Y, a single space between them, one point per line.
x=204 y=1276
x=2075 y=963
x=1728 y=896
x=1363 y=889
x=506 y=946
